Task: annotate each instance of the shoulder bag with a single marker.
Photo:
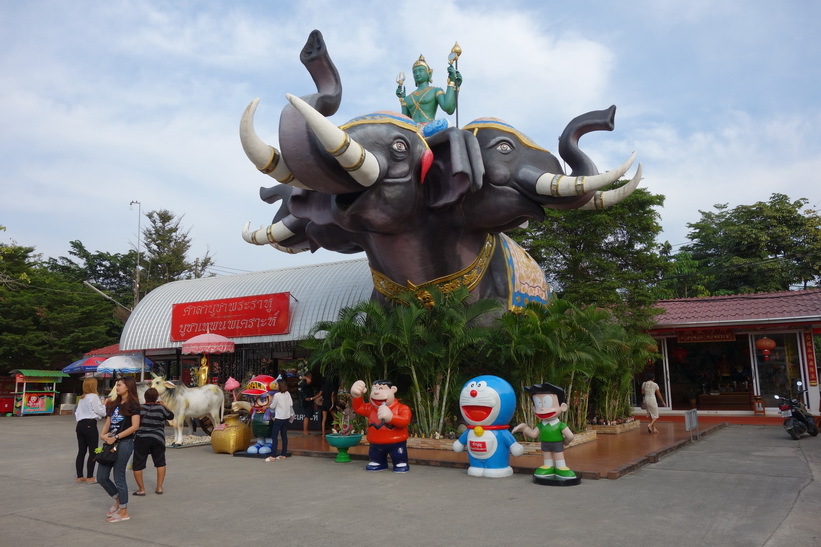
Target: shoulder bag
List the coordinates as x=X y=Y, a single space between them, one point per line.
x=107 y=453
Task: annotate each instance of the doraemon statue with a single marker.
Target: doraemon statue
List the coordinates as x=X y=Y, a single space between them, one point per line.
x=487 y=404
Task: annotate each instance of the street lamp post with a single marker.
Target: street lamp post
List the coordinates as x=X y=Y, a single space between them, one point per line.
x=137 y=271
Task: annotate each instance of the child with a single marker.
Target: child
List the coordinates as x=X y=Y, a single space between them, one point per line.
x=150 y=439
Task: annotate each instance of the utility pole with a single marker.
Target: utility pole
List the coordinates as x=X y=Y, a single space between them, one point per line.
x=137 y=270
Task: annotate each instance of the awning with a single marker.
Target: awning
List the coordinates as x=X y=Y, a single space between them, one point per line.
x=40 y=373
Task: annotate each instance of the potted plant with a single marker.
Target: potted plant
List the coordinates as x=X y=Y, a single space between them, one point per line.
x=344 y=436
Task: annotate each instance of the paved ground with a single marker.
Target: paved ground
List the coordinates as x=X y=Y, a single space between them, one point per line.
x=743 y=485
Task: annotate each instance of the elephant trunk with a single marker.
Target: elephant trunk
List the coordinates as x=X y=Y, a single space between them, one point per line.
x=597 y=120
x=301 y=149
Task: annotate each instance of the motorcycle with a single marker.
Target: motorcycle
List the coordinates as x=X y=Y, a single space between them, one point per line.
x=797 y=419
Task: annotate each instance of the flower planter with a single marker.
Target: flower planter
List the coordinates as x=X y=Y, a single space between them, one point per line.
x=615 y=429
x=342 y=443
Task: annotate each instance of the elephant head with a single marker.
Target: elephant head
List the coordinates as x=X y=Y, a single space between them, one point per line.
x=513 y=159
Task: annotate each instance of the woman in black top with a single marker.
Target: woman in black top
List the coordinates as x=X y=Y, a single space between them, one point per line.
x=122 y=421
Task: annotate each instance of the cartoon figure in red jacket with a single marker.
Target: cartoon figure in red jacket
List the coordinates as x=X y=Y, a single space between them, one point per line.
x=388 y=421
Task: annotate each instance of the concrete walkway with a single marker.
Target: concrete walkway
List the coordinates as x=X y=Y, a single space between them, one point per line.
x=742 y=485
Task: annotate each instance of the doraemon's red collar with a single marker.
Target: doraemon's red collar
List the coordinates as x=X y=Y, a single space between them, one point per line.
x=489 y=426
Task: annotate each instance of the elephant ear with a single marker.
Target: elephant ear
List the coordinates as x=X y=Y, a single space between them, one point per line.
x=457 y=167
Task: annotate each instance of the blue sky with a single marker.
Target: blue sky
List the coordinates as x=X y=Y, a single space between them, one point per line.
x=108 y=102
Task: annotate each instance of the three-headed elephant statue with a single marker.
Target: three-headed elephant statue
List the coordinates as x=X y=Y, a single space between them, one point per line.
x=426 y=211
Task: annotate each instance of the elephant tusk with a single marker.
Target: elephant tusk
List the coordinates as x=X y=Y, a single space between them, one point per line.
x=265 y=157
x=272 y=234
x=289 y=250
x=603 y=200
x=549 y=184
x=361 y=164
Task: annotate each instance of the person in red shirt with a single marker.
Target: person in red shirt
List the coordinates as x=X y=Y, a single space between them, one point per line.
x=388 y=421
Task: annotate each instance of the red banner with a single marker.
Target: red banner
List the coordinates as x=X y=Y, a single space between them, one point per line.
x=812 y=372
x=232 y=317
x=706 y=335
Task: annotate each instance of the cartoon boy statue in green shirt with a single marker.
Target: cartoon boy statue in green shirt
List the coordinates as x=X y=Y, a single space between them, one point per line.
x=549 y=403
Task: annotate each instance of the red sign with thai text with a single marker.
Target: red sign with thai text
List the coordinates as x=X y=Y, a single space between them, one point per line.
x=232 y=317
x=812 y=372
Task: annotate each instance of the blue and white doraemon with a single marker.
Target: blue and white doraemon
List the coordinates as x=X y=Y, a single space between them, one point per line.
x=487 y=404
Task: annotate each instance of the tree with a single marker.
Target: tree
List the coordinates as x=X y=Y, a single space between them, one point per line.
x=584 y=350
x=606 y=257
x=166 y=252
x=112 y=273
x=427 y=345
x=47 y=321
x=763 y=247
x=684 y=278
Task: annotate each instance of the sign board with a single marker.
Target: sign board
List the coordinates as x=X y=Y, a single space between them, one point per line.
x=258 y=315
x=691 y=422
x=812 y=371
x=706 y=335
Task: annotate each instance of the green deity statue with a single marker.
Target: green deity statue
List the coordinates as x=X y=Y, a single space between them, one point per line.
x=422 y=103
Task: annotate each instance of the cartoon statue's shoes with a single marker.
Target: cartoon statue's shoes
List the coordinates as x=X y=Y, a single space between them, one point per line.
x=401 y=468
x=545 y=471
x=565 y=473
x=373 y=466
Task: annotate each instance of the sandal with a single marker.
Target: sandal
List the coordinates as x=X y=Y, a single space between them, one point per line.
x=270 y=459
x=280 y=457
x=80 y=480
x=113 y=511
x=158 y=492
x=92 y=480
x=138 y=493
x=117 y=518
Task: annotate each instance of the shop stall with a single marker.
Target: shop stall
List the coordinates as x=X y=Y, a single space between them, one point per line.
x=35 y=390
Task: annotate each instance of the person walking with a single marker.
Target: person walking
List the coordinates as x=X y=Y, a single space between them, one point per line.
x=150 y=439
x=122 y=421
x=650 y=389
x=89 y=411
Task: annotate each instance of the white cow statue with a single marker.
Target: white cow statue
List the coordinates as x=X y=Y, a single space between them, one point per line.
x=189 y=402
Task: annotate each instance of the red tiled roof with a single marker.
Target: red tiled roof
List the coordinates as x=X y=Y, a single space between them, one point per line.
x=793 y=306
x=108 y=351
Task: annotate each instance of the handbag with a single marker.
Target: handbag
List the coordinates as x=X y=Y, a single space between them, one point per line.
x=643 y=402
x=107 y=453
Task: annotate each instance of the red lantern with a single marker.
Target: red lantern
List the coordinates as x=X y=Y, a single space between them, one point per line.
x=680 y=354
x=764 y=345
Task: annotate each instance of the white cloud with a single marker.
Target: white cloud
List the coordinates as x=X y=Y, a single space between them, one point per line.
x=107 y=103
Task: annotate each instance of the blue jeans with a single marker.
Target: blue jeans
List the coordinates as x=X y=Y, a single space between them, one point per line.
x=118 y=488
x=280 y=428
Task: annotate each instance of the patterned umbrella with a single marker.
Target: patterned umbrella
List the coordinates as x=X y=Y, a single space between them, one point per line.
x=124 y=364
x=208 y=343
x=86 y=364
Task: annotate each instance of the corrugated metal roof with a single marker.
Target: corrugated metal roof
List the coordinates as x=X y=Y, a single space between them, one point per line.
x=320 y=291
x=793 y=306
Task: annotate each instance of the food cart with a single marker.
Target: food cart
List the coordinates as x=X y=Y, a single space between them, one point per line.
x=35 y=390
